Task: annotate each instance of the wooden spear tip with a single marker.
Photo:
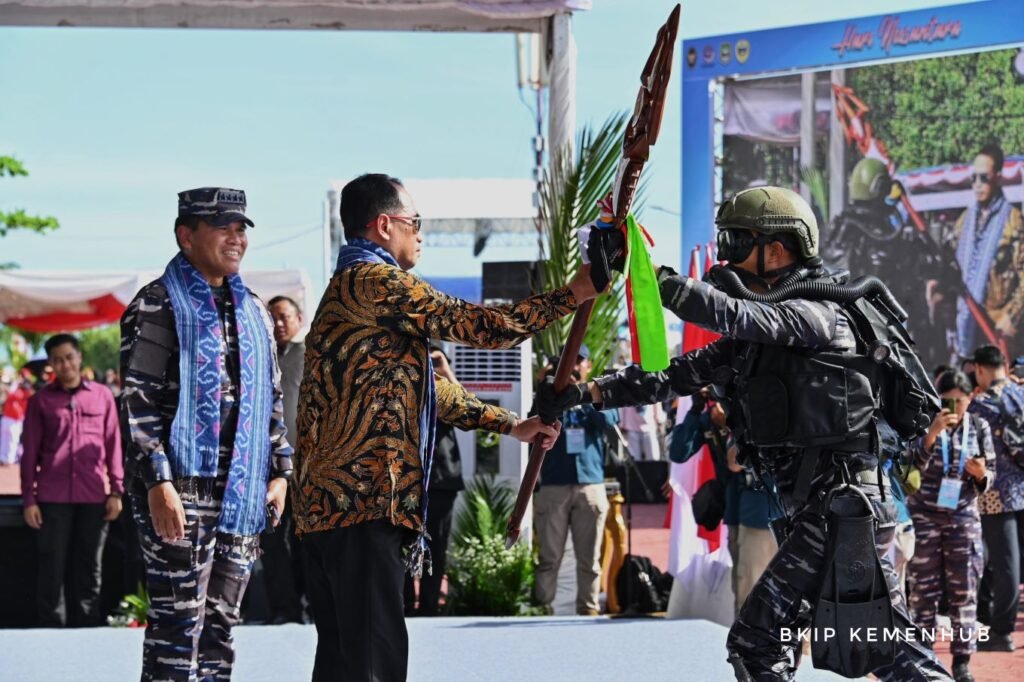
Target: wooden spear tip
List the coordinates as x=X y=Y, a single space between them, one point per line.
x=673 y=22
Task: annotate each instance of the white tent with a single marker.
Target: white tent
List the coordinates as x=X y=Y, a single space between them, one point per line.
x=54 y=300
x=520 y=16
x=80 y=295
x=548 y=17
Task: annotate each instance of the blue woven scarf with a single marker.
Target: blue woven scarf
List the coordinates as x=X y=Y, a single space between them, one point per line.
x=975 y=253
x=195 y=431
x=364 y=251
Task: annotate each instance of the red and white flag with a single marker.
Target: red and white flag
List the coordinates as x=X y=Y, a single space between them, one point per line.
x=698 y=558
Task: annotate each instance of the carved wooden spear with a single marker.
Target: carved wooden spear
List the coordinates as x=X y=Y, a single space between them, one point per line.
x=641 y=134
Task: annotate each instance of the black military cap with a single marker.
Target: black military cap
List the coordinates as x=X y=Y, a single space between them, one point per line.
x=216 y=205
x=989 y=356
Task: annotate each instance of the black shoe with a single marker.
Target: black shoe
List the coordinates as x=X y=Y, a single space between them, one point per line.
x=997 y=643
x=961 y=673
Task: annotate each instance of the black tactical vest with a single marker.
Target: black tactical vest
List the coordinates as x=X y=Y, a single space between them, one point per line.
x=801 y=398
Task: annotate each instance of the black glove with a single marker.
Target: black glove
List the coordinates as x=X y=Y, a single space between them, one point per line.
x=606 y=249
x=550 y=405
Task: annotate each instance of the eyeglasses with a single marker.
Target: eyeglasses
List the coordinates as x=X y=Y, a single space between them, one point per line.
x=983 y=178
x=415 y=220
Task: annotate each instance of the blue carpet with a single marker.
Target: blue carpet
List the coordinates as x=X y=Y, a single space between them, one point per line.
x=490 y=649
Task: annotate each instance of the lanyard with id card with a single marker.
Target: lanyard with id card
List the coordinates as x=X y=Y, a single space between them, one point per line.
x=575 y=441
x=949 y=490
x=575 y=438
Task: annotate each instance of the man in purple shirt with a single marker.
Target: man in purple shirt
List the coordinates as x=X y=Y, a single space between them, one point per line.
x=71 y=484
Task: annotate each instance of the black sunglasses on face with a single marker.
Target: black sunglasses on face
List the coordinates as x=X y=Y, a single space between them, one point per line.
x=415 y=220
x=983 y=178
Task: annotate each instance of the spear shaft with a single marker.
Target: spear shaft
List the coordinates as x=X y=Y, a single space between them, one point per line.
x=641 y=134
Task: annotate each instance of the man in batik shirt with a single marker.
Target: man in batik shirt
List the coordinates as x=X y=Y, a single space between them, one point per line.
x=367 y=410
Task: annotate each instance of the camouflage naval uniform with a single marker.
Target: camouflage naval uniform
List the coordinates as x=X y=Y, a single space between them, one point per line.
x=948 y=554
x=195 y=584
x=785 y=594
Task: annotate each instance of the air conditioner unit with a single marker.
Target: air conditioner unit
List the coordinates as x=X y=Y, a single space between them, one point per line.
x=499 y=377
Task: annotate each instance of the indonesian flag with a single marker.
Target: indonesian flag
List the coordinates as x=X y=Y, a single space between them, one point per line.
x=695 y=337
x=698 y=558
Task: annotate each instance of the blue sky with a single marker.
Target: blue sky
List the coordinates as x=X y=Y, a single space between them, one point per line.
x=112 y=123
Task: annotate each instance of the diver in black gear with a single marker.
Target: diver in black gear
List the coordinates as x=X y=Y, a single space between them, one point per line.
x=820 y=390
x=871 y=237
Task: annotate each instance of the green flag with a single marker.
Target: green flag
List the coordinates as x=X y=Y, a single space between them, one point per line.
x=647 y=315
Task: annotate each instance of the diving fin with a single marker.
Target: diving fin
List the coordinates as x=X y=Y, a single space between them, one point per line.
x=854 y=599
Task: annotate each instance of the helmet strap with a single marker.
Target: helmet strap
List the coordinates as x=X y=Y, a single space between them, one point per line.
x=749 y=279
x=762 y=242
x=780 y=272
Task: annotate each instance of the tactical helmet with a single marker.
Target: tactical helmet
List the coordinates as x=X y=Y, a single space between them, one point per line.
x=772 y=211
x=869 y=180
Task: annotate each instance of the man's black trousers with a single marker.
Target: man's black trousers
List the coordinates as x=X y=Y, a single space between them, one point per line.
x=70 y=545
x=999 y=595
x=283 y=574
x=354 y=579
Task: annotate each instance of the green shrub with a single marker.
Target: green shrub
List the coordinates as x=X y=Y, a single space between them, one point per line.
x=483 y=578
x=133 y=610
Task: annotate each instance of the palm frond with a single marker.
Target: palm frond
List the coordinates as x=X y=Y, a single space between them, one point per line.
x=818 y=184
x=569 y=193
x=488 y=506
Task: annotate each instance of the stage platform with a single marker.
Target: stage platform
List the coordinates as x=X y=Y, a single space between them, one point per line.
x=450 y=649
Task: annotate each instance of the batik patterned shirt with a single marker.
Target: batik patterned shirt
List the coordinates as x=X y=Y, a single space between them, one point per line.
x=1001 y=406
x=1004 y=294
x=365 y=384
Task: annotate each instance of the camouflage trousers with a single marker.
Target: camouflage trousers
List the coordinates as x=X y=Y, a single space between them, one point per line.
x=195 y=590
x=948 y=558
x=783 y=599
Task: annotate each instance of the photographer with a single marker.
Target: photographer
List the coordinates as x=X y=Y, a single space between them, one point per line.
x=955 y=457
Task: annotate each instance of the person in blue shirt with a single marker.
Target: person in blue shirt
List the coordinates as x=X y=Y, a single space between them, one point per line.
x=572 y=497
x=747 y=511
x=905 y=539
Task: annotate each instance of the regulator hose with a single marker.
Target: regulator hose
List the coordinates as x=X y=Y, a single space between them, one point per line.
x=812 y=289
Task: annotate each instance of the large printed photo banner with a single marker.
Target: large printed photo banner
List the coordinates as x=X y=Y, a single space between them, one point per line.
x=934 y=156
x=952 y=143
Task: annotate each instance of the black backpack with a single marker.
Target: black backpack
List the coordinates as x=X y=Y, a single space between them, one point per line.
x=907 y=396
x=642 y=586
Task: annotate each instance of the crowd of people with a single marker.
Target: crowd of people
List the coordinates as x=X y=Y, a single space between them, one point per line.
x=233 y=435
